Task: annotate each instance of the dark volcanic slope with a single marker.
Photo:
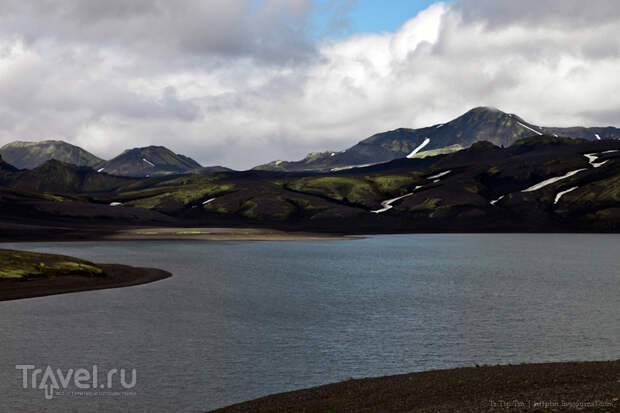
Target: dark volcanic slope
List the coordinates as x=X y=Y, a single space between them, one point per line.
x=538 y=184
x=5 y=167
x=591 y=387
x=56 y=192
x=149 y=161
x=479 y=124
x=61 y=178
x=477 y=189
x=28 y=155
x=28 y=216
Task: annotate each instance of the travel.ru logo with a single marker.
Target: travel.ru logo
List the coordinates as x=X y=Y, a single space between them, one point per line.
x=53 y=381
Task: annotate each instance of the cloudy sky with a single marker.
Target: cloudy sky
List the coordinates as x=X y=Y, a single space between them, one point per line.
x=243 y=82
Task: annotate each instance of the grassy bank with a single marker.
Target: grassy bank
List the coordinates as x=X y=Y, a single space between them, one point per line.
x=27 y=274
x=22 y=265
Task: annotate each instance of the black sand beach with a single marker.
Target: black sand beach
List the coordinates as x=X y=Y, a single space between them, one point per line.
x=551 y=387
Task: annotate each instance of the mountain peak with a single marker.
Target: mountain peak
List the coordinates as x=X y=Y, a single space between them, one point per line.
x=486 y=109
x=485 y=112
x=149 y=161
x=29 y=155
x=147 y=148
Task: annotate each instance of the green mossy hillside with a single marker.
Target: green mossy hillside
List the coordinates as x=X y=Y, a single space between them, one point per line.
x=24 y=265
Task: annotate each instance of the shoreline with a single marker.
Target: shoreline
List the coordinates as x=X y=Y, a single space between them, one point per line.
x=22 y=232
x=546 y=387
x=116 y=276
x=219 y=234
x=17 y=232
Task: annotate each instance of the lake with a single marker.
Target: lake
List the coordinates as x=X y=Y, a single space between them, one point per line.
x=240 y=320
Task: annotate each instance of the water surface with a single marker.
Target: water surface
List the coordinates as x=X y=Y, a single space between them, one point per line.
x=240 y=320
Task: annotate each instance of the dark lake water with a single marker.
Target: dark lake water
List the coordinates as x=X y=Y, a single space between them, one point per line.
x=240 y=320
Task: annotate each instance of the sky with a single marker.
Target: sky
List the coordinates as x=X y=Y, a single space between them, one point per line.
x=384 y=16
x=244 y=82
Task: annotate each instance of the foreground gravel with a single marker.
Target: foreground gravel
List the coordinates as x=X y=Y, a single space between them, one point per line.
x=551 y=387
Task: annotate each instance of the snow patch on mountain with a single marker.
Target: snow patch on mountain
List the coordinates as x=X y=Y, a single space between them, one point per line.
x=387 y=204
x=419 y=148
x=561 y=194
x=439 y=175
x=552 y=180
x=592 y=157
x=527 y=127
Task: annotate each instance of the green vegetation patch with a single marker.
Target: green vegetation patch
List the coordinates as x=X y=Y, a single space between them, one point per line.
x=546 y=139
x=473 y=189
x=432 y=208
x=200 y=179
x=606 y=191
x=250 y=209
x=184 y=195
x=339 y=188
x=494 y=170
x=429 y=204
x=392 y=183
x=52 y=197
x=439 y=151
x=25 y=265
x=307 y=206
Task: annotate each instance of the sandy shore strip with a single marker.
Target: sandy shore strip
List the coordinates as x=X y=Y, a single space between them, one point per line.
x=116 y=276
x=551 y=387
x=219 y=234
x=33 y=232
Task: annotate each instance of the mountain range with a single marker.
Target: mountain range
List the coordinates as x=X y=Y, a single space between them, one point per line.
x=540 y=183
x=478 y=124
x=137 y=162
x=543 y=182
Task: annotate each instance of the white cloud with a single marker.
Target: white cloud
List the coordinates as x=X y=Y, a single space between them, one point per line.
x=238 y=85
